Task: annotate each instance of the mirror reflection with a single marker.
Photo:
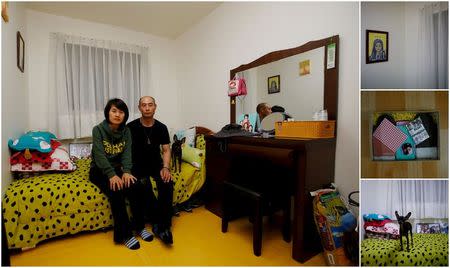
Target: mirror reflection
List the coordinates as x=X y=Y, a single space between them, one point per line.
x=295 y=83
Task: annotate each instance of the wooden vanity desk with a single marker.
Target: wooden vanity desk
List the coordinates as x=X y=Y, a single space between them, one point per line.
x=302 y=165
x=307 y=165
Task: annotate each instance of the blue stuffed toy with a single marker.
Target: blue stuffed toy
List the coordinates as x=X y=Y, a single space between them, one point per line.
x=33 y=140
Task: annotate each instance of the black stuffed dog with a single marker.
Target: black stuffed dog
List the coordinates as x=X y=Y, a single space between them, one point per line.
x=405 y=227
x=176 y=152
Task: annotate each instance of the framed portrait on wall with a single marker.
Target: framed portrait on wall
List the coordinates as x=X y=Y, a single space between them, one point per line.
x=273 y=84
x=20 y=52
x=377 y=46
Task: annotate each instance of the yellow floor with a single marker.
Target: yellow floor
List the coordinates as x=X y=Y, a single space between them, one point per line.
x=197 y=241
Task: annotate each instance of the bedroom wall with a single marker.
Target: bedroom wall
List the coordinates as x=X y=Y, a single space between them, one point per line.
x=237 y=33
x=163 y=85
x=387 y=17
x=14 y=89
x=411 y=37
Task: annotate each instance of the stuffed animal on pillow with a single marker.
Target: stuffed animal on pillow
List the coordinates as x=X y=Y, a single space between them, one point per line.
x=33 y=140
x=192 y=155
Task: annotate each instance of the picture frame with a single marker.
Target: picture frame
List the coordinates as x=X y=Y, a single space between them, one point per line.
x=20 y=52
x=377 y=46
x=428 y=228
x=80 y=150
x=409 y=135
x=273 y=84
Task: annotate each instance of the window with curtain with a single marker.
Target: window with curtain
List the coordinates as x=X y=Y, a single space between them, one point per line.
x=85 y=74
x=424 y=198
x=433 y=46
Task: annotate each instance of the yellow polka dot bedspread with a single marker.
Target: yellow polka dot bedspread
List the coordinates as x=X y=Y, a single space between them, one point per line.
x=51 y=205
x=190 y=180
x=55 y=204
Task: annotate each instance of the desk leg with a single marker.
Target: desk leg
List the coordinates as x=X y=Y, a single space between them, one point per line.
x=305 y=239
x=306 y=242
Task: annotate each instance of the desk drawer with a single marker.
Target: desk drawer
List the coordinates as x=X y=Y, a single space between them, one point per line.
x=278 y=156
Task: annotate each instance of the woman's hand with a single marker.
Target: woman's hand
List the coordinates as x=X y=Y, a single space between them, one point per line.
x=115 y=183
x=128 y=179
x=165 y=174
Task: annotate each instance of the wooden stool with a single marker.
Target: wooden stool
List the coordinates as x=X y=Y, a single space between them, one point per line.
x=258 y=203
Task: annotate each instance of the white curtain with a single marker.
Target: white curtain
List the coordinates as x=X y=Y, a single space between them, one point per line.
x=433 y=46
x=423 y=198
x=84 y=74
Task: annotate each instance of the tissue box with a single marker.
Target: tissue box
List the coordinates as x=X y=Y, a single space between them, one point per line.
x=305 y=129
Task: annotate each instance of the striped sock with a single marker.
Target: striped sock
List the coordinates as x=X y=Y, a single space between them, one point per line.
x=146 y=235
x=132 y=243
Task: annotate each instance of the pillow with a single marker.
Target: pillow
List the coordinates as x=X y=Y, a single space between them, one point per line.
x=59 y=161
x=192 y=155
x=34 y=140
x=189 y=134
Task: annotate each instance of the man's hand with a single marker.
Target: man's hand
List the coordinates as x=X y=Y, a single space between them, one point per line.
x=128 y=179
x=165 y=174
x=115 y=183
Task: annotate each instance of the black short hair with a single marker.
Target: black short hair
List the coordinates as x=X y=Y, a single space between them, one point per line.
x=405 y=147
x=119 y=104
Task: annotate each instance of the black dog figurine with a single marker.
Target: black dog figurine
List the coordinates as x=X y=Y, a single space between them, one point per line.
x=176 y=152
x=405 y=227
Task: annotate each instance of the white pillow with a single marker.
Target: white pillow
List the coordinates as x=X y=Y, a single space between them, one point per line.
x=189 y=134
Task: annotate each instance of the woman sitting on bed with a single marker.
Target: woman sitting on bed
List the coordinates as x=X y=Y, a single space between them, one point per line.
x=111 y=172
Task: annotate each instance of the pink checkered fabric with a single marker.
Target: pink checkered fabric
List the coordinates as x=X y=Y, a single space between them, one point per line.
x=388 y=134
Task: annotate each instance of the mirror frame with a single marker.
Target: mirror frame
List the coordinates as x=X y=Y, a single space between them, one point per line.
x=330 y=89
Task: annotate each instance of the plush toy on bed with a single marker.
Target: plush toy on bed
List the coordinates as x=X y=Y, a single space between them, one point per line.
x=176 y=152
x=405 y=227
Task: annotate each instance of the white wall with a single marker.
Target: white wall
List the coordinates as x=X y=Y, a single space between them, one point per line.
x=301 y=96
x=401 y=20
x=161 y=72
x=386 y=17
x=237 y=33
x=14 y=89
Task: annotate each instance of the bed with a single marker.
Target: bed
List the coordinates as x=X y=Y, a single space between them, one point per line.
x=54 y=204
x=428 y=250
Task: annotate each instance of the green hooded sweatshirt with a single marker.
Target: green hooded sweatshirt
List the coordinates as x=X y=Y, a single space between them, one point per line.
x=111 y=149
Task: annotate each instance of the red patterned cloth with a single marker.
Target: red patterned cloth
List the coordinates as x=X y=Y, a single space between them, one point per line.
x=388 y=134
x=36 y=156
x=376 y=223
x=379 y=149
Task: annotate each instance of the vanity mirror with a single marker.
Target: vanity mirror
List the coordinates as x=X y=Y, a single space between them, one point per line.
x=303 y=80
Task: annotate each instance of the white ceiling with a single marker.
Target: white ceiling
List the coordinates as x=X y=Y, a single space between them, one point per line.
x=165 y=19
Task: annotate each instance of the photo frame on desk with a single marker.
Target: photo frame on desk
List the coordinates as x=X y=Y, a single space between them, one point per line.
x=80 y=150
x=20 y=52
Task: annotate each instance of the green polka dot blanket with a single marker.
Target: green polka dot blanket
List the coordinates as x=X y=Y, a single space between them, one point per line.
x=428 y=250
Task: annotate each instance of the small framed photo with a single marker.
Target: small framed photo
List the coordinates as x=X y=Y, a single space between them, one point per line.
x=273 y=84
x=428 y=228
x=80 y=150
x=20 y=52
x=377 y=46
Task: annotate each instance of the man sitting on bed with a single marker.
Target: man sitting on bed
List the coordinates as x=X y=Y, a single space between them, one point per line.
x=148 y=137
